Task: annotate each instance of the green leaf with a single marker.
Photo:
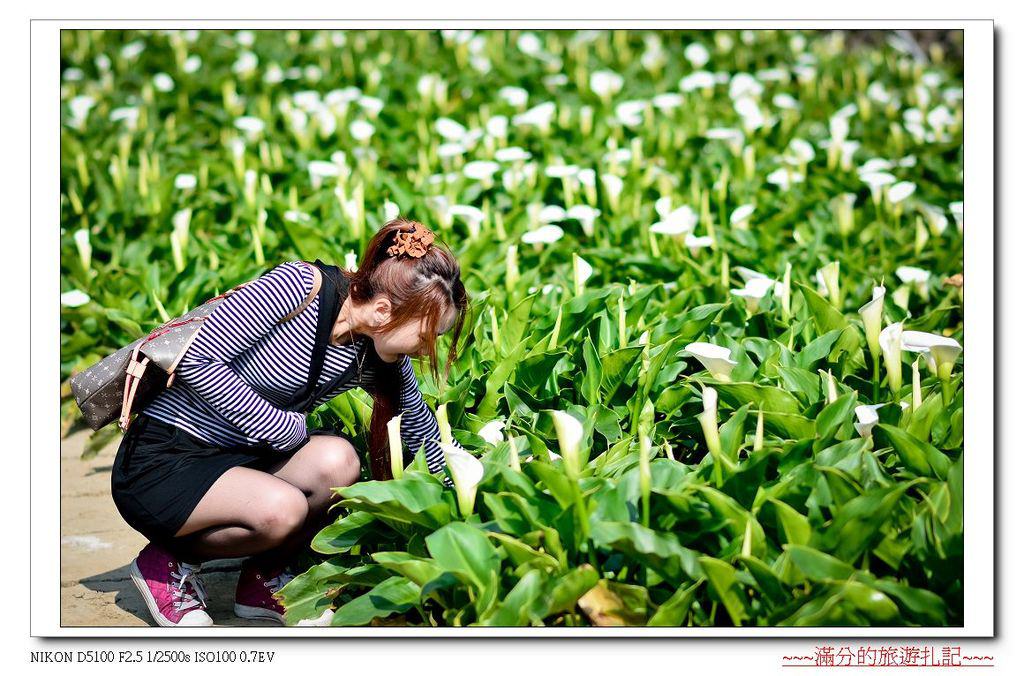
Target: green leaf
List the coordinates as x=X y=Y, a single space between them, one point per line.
x=344 y=533
x=466 y=553
x=818 y=566
x=515 y=609
x=924 y=606
x=615 y=366
x=673 y=612
x=394 y=595
x=406 y=500
x=732 y=433
x=658 y=551
x=590 y=388
x=918 y=456
x=417 y=569
x=498 y=374
x=832 y=417
x=816 y=350
x=307 y=595
x=722 y=578
x=802 y=383
x=764 y=397
x=794 y=524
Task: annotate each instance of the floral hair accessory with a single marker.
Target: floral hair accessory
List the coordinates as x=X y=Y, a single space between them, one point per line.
x=414 y=242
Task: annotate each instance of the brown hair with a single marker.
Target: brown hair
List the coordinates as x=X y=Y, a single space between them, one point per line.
x=427 y=288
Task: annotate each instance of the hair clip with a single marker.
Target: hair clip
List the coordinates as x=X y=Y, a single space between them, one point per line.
x=414 y=242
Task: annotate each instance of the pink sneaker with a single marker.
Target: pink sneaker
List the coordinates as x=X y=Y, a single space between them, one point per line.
x=254 y=596
x=171 y=589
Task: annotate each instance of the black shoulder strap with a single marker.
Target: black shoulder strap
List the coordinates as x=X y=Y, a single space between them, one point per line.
x=330 y=305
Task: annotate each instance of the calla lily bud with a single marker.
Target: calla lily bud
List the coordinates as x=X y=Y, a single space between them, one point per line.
x=467 y=471
x=570 y=437
x=709 y=424
x=829 y=278
x=871 y=314
x=442 y=423
x=395 y=446
x=84 y=247
x=511 y=266
x=830 y=386
x=581 y=272
x=759 y=432
x=891 y=345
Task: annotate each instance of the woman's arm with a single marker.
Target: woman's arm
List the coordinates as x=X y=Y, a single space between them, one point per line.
x=419 y=426
x=239 y=321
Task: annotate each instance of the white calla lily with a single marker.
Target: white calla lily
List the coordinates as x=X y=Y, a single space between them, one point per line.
x=714 y=358
x=916 y=277
x=941 y=352
x=890 y=342
x=467 y=471
x=586 y=215
x=871 y=314
x=581 y=272
x=753 y=291
x=545 y=234
x=605 y=83
x=492 y=432
x=570 y=438
x=740 y=217
x=74 y=298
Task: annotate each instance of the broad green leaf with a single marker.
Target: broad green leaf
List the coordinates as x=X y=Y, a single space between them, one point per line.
x=919 y=456
x=658 y=551
x=832 y=417
x=514 y=609
x=818 y=566
x=673 y=612
x=722 y=578
x=406 y=500
x=417 y=569
x=465 y=552
x=344 y=533
x=394 y=595
x=764 y=397
x=793 y=523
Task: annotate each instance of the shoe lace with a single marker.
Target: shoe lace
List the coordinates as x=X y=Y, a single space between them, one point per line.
x=276 y=583
x=183 y=598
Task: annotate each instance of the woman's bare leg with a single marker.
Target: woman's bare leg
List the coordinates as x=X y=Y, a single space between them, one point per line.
x=325 y=462
x=245 y=512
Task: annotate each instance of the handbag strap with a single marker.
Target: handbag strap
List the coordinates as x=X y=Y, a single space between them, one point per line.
x=317 y=280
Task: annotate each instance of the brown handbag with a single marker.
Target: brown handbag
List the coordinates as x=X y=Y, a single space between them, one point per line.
x=122 y=383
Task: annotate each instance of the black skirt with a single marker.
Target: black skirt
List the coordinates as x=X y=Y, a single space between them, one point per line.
x=161 y=472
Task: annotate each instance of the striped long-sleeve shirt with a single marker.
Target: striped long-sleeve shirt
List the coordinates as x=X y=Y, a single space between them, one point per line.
x=244 y=366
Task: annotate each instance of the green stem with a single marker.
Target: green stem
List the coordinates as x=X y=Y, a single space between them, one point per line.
x=875 y=377
x=947 y=391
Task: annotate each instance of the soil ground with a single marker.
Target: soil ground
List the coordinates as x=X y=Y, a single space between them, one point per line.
x=97 y=546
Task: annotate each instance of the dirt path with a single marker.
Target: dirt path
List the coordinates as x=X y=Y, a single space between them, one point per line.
x=96 y=547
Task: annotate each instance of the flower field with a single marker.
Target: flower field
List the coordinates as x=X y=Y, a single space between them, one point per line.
x=714 y=371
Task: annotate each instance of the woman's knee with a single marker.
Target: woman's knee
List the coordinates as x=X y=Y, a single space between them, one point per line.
x=280 y=513
x=337 y=462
